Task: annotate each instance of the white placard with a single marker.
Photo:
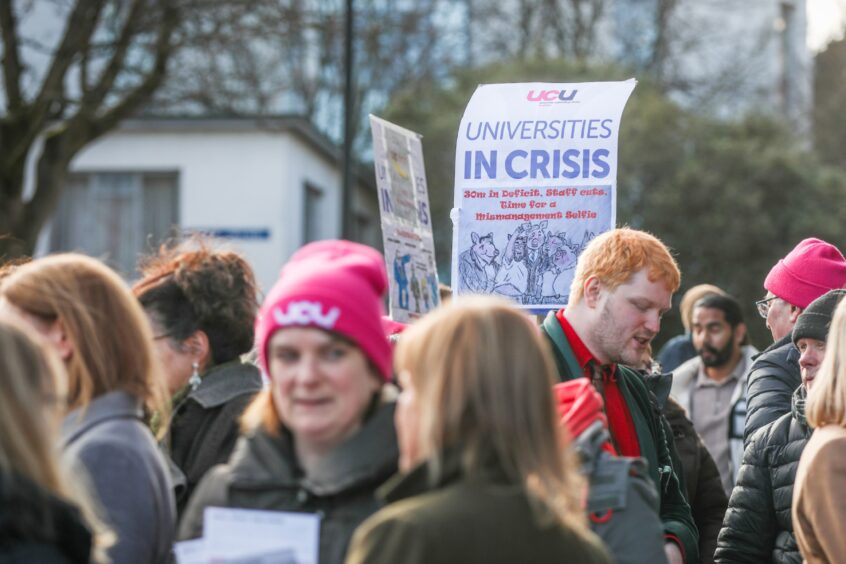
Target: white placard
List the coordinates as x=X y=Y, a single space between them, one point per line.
x=406 y=220
x=535 y=181
x=249 y=535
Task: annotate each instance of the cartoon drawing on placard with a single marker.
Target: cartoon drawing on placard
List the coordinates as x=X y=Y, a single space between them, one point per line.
x=536 y=261
x=415 y=289
x=513 y=275
x=401 y=278
x=477 y=266
x=555 y=286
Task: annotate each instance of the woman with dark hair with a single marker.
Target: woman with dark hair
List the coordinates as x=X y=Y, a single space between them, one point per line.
x=202 y=305
x=321 y=439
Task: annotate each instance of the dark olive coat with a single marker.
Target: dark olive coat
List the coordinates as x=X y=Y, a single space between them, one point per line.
x=263 y=473
x=461 y=520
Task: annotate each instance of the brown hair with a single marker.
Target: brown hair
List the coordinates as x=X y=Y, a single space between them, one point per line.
x=191 y=286
x=111 y=340
x=476 y=394
x=32 y=380
x=616 y=255
x=32 y=398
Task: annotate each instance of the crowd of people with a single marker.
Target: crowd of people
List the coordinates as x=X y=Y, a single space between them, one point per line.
x=475 y=434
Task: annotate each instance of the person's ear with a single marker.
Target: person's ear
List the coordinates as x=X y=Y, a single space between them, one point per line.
x=59 y=339
x=795 y=312
x=199 y=348
x=592 y=291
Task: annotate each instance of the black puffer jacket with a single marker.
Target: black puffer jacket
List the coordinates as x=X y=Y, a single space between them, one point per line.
x=758 y=527
x=772 y=380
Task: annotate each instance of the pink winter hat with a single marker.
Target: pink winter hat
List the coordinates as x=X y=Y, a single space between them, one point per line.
x=335 y=286
x=810 y=270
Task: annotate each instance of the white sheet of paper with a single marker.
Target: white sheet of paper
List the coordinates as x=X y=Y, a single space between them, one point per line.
x=243 y=533
x=191 y=552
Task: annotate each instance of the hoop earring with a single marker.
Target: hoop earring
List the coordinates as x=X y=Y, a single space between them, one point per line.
x=194 y=380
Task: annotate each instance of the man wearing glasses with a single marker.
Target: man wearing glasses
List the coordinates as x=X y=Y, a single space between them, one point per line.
x=810 y=270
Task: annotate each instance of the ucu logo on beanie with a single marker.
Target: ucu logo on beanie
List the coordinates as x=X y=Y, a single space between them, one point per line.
x=307 y=313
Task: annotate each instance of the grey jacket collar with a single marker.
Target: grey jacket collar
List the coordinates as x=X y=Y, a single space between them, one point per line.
x=112 y=405
x=225 y=382
x=262 y=460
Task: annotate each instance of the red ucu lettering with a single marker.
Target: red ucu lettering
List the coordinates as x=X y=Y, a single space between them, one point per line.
x=551 y=95
x=307 y=313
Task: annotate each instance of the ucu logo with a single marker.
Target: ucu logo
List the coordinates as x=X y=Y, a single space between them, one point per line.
x=551 y=96
x=307 y=313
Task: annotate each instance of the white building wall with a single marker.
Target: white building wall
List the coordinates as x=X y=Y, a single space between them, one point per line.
x=235 y=180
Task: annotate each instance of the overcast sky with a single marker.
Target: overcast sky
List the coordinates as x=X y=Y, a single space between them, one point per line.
x=825 y=22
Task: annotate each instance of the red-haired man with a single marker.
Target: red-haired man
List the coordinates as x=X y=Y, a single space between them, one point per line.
x=622 y=287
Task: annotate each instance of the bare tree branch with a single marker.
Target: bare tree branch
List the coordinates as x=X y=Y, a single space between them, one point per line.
x=97 y=94
x=83 y=127
x=11 y=57
x=80 y=26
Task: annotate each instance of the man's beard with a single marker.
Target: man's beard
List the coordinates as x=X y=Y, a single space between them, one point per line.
x=612 y=343
x=718 y=357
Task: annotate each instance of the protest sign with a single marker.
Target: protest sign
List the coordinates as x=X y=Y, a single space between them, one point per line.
x=406 y=222
x=250 y=536
x=535 y=181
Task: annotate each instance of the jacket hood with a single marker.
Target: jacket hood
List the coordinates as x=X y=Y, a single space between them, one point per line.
x=262 y=460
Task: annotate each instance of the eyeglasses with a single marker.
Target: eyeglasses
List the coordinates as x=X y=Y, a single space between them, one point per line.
x=764 y=306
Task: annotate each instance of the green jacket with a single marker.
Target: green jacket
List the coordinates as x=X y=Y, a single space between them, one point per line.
x=652 y=435
x=461 y=519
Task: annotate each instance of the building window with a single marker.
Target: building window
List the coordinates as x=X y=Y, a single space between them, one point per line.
x=312 y=207
x=116 y=216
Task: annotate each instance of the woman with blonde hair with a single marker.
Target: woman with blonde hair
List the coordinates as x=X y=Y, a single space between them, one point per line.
x=483 y=475
x=98 y=329
x=819 y=506
x=39 y=519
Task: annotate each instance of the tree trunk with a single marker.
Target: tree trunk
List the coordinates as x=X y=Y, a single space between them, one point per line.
x=21 y=222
